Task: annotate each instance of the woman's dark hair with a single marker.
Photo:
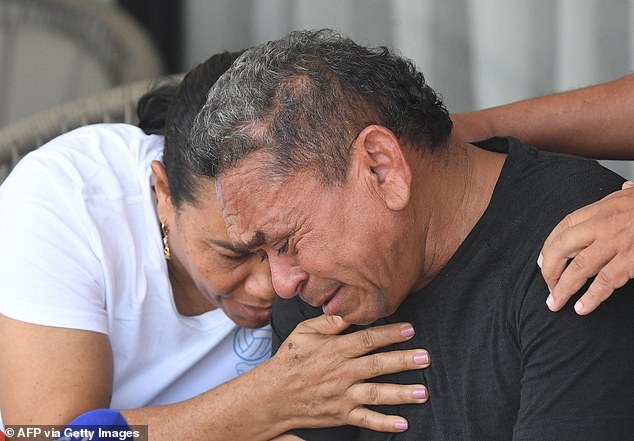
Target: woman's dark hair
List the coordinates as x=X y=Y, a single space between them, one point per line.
x=170 y=110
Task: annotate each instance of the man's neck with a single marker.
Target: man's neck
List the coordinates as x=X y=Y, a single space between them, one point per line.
x=455 y=188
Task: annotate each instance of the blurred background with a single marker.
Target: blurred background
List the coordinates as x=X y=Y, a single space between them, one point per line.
x=476 y=53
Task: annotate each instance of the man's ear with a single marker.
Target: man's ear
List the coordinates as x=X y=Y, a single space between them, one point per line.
x=378 y=153
x=164 y=206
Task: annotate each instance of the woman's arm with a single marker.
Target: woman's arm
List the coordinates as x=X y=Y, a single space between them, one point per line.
x=314 y=380
x=51 y=375
x=596 y=121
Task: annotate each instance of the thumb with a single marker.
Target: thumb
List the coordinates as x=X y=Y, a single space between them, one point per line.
x=627 y=184
x=326 y=324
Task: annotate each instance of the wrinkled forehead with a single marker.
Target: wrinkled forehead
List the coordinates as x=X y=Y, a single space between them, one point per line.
x=248 y=198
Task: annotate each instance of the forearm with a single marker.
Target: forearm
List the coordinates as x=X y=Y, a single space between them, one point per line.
x=247 y=407
x=596 y=121
x=316 y=379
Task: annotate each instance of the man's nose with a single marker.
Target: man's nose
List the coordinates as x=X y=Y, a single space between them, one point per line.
x=287 y=277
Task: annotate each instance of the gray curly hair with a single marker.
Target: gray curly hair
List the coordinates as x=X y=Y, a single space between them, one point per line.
x=305 y=98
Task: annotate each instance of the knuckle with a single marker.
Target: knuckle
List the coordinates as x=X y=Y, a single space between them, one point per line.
x=610 y=280
x=579 y=263
x=331 y=320
x=604 y=279
x=551 y=270
x=406 y=359
x=595 y=296
x=555 y=242
x=374 y=394
x=360 y=419
x=367 y=340
x=591 y=297
x=375 y=365
x=619 y=279
x=622 y=204
x=569 y=283
x=364 y=420
x=404 y=395
x=566 y=222
x=374 y=422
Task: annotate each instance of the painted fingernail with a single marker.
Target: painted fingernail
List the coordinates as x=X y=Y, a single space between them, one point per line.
x=407 y=331
x=420 y=393
x=421 y=359
x=540 y=260
x=550 y=301
x=401 y=425
x=579 y=307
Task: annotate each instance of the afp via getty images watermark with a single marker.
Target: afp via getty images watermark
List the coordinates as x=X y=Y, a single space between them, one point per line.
x=75 y=433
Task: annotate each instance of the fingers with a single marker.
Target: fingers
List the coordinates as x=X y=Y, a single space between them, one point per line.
x=599 y=239
x=323 y=324
x=384 y=363
x=369 y=419
x=612 y=276
x=369 y=339
x=584 y=265
x=552 y=267
x=561 y=245
x=377 y=394
x=578 y=229
x=573 y=219
x=627 y=184
x=572 y=239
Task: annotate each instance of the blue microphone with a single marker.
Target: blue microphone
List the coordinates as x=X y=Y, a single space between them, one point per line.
x=98 y=425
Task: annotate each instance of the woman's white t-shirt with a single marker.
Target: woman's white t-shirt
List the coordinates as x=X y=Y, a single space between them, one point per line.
x=80 y=247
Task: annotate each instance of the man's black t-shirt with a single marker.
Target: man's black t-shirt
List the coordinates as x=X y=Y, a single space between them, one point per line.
x=503 y=366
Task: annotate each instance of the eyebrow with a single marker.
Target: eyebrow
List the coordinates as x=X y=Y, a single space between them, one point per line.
x=230 y=247
x=258 y=239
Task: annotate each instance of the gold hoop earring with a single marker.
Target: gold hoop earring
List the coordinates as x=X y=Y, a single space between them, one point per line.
x=166 y=247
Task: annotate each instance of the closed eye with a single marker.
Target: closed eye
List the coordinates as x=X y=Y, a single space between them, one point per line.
x=283 y=248
x=237 y=257
x=237 y=254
